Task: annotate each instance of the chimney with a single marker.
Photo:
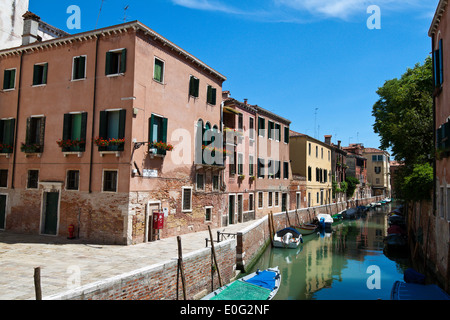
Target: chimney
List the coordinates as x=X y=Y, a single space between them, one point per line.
x=30 y=28
x=245 y=101
x=328 y=139
x=339 y=144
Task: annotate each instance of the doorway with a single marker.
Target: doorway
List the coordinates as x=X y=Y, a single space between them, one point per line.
x=231 y=208
x=153 y=206
x=50 y=213
x=2 y=211
x=240 y=207
x=284 y=202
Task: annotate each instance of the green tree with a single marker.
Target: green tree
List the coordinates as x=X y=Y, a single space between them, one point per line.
x=419 y=183
x=352 y=183
x=404 y=115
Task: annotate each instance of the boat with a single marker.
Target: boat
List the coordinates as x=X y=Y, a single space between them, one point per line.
x=260 y=285
x=350 y=213
x=288 y=238
x=396 y=241
x=413 y=291
x=307 y=228
x=325 y=221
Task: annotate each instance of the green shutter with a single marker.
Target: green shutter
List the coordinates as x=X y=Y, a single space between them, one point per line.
x=12 y=81
x=27 y=131
x=192 y=87
x=214 y=96
x=44 y=76
x=164 y=133
x=103 y=127
x=123 y=61
x=197 y=86
x=2 y=135
x=67 y=128
x=6 y=80
x=35 y=75
x=209 y=94
x=151 y=123
x=441 y=62
x=42 y=134
x=122 y=124
x=83 y=135
x=108 y=63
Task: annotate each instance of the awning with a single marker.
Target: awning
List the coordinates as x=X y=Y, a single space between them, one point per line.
x=230 y=110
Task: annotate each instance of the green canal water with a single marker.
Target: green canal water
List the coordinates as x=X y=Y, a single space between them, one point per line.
x=347 y=264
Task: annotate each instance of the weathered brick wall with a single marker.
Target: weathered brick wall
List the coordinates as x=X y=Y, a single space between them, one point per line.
x=159 y=282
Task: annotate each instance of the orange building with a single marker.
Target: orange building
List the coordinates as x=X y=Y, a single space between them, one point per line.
x=98 y=132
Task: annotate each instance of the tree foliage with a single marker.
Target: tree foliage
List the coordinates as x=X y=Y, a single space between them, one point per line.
x=418 y=184
x=404 y=115
x=352 y=183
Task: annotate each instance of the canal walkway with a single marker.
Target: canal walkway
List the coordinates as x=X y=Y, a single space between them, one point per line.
x=61 y=260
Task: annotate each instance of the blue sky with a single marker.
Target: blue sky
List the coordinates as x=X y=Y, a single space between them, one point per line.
x=288 y=56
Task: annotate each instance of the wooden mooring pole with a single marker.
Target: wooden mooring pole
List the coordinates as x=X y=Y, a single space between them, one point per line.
x=37 y=283
x=215 y=258
x=181 y=269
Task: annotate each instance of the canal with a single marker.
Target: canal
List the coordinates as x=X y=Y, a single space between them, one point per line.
x=346 y=264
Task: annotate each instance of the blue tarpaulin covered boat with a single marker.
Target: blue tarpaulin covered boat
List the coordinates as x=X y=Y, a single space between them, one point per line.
x=413 y=291
x=260 y=285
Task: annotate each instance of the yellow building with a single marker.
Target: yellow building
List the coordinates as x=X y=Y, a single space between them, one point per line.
x=378 y=171
x=311 y=158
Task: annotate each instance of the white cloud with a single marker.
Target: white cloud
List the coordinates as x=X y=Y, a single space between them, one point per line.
x=304 y=10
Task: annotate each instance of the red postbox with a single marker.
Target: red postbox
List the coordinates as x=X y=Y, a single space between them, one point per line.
x=158 y=220
x=71 y=232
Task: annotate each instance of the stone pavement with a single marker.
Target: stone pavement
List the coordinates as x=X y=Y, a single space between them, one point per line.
x=59 y=258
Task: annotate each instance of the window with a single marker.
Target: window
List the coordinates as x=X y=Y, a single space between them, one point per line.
x=112 y=126
x=73 y=180
x=79 y=68
x=7 y=127
x=260 y=168
x=208 y=213
x=270 y=200
x=277 y=169
x=240 y=163
x=116 y=62
x=3 y=178
x=298 y=200
x=277 y=199
x=211 y=95
x=215 y=183
x=438 y=58
x=325 y=176
x=321 y=152
x=40 y=74
x=270 y=129
x=260 y=200
x=157 y=133
x=200 y=181
x=317 y=151
x=377 y=170
x=271 y=169
x=194 y=85
x=377 y=181
x=309 y=148
x=309 y=174
x=317 y=175
x=286 y=134
x=35 y=133
x=9 y=79
x=186 y=199
x=261 y=126
x=286 y=170
x=241 y=121
x=110 y=181
x=251 y=165
x=251 y=125
x=250 y=202
x=277 y=132
x=74 y=129
x=33 y=179
x=158 y=72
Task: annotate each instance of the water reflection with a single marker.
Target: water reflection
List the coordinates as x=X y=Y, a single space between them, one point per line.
x=335 y=265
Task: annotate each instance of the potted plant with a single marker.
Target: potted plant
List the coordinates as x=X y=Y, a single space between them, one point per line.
x=31 y=148
x=5 y=148
x=71 y=145
x=111 y=144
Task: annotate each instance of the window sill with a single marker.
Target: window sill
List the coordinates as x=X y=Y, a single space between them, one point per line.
x=115 y=75
x=159 y=82
x=79 y=154
x=28 y=155
x=7 y=155
x=7 y=90
x=117 y=153
x=39 y=85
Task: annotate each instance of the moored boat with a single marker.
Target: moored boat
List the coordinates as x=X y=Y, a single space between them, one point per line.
x=307 y=228
x=325 y=221
x=260 y=285
x=412 y=291
x=288 y=238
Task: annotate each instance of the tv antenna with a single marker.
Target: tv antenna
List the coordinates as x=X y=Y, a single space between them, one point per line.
x=100 y=11
x=315 y=122
x=125 y=13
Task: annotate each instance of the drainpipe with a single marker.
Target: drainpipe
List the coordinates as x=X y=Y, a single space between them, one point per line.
x=93 y=114
x=433 y=42
x=17 y=122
